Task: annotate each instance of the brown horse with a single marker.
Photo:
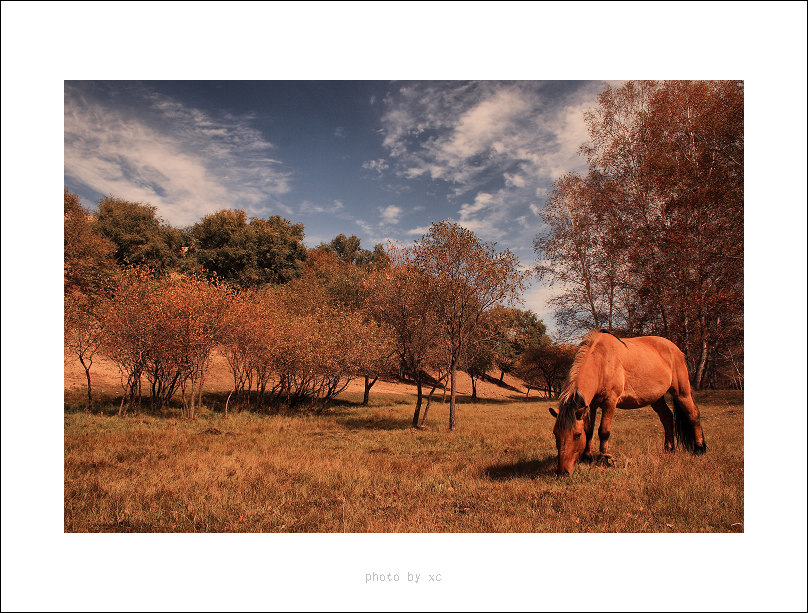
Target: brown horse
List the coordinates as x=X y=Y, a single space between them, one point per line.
x=610 y=373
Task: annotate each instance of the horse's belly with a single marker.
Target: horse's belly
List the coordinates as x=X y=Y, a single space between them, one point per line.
x=641 y=392
x=628 y=401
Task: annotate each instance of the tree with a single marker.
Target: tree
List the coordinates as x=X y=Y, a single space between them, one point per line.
x=545 y=366
x=84 y=331
x=514 y=331
x=89 y=267
x=650 y=241
x=89 y=276
x=468 y=277
x=401 y=298
x=140 y=237
x=248 y=253
x=580 y=254
x=477 y=361
x=163 y=329
x=329 y=279
x=348 y=250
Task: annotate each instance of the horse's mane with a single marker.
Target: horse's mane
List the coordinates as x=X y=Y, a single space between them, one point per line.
x=570 y=387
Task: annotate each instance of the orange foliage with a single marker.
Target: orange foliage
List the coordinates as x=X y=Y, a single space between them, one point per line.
x=164 y=329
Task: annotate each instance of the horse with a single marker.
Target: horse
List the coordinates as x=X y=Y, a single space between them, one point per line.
x=608 y=373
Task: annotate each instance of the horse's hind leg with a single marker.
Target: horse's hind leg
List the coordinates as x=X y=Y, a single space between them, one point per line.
x=666 y=417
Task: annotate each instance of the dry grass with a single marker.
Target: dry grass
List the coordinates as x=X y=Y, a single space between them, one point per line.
x=363 y=469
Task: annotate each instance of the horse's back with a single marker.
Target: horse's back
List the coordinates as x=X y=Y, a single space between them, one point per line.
x=652 y=367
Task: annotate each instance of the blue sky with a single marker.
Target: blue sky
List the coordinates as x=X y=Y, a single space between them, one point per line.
x=378 y=159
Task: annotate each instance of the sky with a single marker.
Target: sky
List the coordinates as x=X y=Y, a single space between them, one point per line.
x=378 y=159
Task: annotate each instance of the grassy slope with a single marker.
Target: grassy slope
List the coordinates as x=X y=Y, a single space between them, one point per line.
x=363 y=469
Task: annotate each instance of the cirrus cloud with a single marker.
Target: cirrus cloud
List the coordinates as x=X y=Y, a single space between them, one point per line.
x=182 y=160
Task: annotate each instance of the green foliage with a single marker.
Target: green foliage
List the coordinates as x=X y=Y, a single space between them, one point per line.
x=349 y=250
x=248 y=253
x=516 y=331
x=140 y=237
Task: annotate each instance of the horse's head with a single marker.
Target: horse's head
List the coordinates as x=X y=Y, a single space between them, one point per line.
x=569 y=432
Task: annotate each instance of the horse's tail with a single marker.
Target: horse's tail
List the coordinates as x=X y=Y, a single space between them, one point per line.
x=682 y=426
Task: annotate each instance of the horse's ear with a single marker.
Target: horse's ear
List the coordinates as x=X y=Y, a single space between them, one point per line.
x=553 y=412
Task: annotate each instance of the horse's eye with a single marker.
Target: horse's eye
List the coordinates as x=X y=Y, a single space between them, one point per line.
x=577 y=436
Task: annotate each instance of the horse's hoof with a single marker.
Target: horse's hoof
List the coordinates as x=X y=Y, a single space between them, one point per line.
x=587 y=459
x=700 y=449
x=670 y=449
x=606 y=460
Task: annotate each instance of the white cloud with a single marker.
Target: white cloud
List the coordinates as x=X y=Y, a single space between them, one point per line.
x=180 y=159
x=390 y=214
x=379 y=165
x=340 y=132
x=481 y=201
x=330 y=209
x=497 y=146
x=419 y=231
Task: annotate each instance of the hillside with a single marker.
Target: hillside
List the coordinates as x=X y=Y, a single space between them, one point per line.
x=106 y=381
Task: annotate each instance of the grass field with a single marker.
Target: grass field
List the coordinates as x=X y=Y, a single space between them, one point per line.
x=363 y=469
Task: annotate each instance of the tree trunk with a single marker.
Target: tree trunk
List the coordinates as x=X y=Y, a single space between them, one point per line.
x=428 y=402
x=474 y=389
x=368 y=385
x=702 y=360
x=501 y=377
x=418 y=402
x=199 y=397
x=452 y=423
x=89 y=386
x=191 y=413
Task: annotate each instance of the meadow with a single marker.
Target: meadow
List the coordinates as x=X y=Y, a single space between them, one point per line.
x=364 y=469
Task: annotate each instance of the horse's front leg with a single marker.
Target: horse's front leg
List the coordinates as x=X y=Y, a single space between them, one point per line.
x=588 y=457
x=605 y=430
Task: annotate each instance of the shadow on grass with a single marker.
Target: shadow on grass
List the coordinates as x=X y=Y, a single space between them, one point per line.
x=355 y=422
x=524 y=469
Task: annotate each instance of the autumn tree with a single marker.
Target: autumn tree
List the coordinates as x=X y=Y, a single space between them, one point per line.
x=468 y=277
x=545 y=366
x=163 y=329
x=89 y=276
x=650 y=241
x=477 y=360
x=84 y=331
x=89 y=265
x=127 y=322
x=327 y=278
x=401 y=297
x=320 y=348
x=246 y=338
x=580 y=254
